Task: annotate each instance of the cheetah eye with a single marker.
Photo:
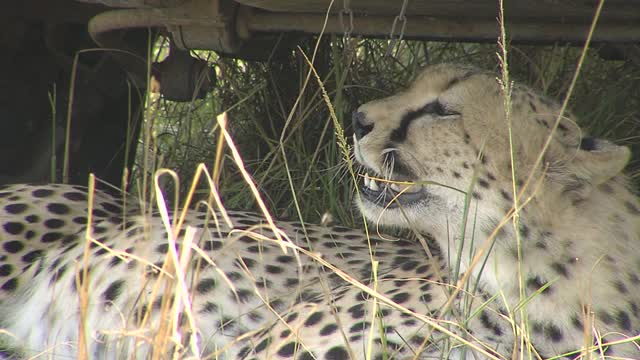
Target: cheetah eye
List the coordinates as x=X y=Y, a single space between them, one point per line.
x=436 y=108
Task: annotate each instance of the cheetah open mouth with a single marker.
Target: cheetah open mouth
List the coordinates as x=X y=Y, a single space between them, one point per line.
x=391 y=193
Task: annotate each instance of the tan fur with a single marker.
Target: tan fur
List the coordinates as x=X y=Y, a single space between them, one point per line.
x=580 y=228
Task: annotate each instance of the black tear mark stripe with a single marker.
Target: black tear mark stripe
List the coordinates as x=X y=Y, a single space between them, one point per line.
x=435 y=107
x=400 y=134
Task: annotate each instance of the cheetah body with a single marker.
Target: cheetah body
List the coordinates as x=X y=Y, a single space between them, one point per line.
x=248 y=298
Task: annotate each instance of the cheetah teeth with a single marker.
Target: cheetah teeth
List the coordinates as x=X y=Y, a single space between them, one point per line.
x=370 y=183
x=397 y=187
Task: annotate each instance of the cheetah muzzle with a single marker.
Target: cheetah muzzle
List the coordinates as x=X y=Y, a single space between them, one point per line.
x=392 y=193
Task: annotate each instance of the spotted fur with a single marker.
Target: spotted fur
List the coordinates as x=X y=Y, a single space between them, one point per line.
x=249 y=299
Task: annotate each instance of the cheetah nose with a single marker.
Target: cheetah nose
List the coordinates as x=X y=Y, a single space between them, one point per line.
x=360 y=127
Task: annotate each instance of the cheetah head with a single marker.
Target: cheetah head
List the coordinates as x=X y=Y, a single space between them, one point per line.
x=447 y=137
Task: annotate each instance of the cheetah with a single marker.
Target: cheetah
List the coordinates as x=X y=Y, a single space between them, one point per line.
x=245 y=296
x=92 y=266
x=572 y=256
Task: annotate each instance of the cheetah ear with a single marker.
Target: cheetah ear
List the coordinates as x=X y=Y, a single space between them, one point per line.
x=599 y=160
